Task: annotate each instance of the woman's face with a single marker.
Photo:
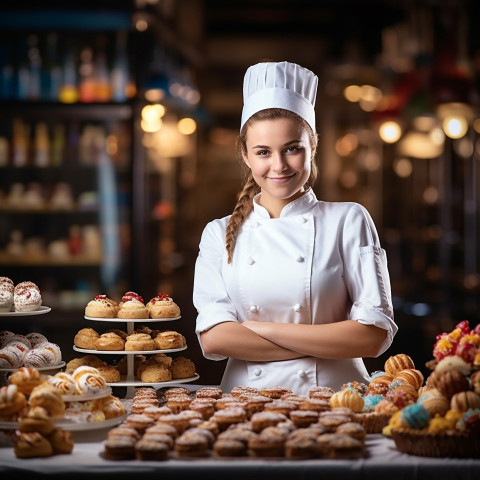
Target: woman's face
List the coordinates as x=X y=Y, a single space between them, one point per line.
x=279 y=155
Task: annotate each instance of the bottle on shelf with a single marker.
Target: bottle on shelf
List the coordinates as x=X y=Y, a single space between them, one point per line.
x=51 y=71
x=86 y=76
x=120 y=69
x=58 y=145
x=20 y=143
x=41 y=152
x=69 y=88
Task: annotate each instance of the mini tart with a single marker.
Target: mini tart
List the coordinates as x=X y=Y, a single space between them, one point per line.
x=101 y=307
x=229 y=447
x=163 y=306
x=191 y=445
x=119 y=448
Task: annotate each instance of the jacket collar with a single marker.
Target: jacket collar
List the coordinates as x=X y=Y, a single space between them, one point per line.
x=297 y=207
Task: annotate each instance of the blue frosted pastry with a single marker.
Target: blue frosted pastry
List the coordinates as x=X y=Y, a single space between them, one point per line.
x=415 y=416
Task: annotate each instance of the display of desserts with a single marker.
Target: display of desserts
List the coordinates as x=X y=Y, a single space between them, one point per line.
x=22 y=297
x=30 y=350
x=445 y=419
x=273 y=422
x=145 y=349
x=132 y=306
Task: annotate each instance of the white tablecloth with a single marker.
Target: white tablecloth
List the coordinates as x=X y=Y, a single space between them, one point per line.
x=383 y=462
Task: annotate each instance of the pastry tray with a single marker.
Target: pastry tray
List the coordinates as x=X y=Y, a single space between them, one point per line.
x=41 y=310
x=131 y=320
x=128 y=352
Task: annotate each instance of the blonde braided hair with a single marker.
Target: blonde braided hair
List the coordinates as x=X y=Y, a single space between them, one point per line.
x=244 y=204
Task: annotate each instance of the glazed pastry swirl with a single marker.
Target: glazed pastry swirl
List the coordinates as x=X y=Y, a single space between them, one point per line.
x=88 y=380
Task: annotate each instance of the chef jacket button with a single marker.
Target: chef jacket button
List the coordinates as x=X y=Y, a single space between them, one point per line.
x=257 y=372
x=253 y=308
x=250 y=261
x=301 y=373
x=296 y=307
x=300 y=259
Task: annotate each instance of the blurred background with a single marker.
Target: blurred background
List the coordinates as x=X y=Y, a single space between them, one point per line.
x=118 y=123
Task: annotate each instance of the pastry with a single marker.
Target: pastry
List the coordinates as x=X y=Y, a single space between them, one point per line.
x=26 y=379
x=39 y=358
x=31 y=444
x=262 y=420
x=156 y=412
x=111 y=406
x=86 y=338
x=169 y=339
x=209 y=392
x=347 y=398
x=137 y=361
x=90 y=360
x=281 y=406
x=6 y=294
x=63 y=382
x=179 y=403
x=5 y=336
x=110 y=373
x=119 y=448
x=163 y=306
x=109 y=341
x=12 y=357
x=301 y=446
x=464 y=401
x=38 y=420
x=11 y=400
x=204 y=406
x=315 y=404
x=124 y=431
x=123 y=335
x=61 y=441
x=303 y=418
x=156 y=373
x=448 y=383
x=269 y=443
x=339 y=446
x=151 y=449
x=182 y=368
x=26 y=297
x=36 y=338
x=54 y=349
x=227 y=447
x=175 y=391
x=274 y=392
x=321 y=392
x=178 y=421
x=132 y=306
x=88 y=380
x=354 y=429
x=19 y=341
x=101 y=307
x=48 y=397
x=190 y=444
x=396 y=363
x=139 y=421
x=434 y=402
x=139 y=342
x=140 y=404
x=411 y=376
x=162 y=429
x=229 y=416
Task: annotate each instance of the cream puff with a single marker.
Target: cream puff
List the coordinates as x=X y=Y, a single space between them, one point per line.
x=163 y=306
x=27 y=297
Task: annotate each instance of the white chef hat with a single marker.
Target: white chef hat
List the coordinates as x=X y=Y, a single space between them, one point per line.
x=279 y=85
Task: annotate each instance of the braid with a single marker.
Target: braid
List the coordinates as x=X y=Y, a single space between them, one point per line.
x=241 y=211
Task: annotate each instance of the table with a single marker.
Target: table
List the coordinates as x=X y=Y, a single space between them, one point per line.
x=383 y=461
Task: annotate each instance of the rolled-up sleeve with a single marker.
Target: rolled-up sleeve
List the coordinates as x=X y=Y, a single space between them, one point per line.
x=366 y=274
x=209 y=293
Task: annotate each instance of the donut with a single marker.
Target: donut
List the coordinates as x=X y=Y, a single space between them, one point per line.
x=169 y=339
x=163 y=306
x=86 y=338
x=7 y=288
x=109 y=341
x=26 y=297
x=101 y=307
x=26 y=379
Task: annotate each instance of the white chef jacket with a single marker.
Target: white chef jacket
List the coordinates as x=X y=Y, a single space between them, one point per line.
x=319 y=262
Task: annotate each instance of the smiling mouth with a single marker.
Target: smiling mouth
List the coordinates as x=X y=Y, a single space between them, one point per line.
x=281 y=179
